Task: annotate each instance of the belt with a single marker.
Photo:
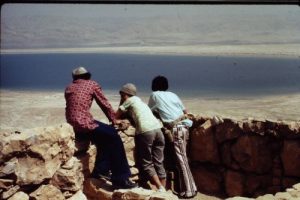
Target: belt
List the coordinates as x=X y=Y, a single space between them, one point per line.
x=170 y=125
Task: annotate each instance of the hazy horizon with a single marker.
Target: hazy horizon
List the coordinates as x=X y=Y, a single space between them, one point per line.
x=35 y=26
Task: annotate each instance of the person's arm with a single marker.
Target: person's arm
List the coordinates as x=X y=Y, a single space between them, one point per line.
x=152 y=103
x=122 y=113
x=104 y=104
x=119 y=114
x=153 y=106
x=123 y=108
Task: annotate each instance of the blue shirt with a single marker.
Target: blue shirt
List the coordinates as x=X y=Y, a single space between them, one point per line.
x=168 y=106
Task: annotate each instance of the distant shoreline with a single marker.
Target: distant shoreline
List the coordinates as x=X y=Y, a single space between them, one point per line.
x=253 y=50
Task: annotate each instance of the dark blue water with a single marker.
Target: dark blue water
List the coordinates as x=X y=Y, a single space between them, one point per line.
x=189 y=75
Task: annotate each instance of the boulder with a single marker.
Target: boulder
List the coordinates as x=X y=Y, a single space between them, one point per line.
x=234 y=183
x=253 y=126
x=78 y=196
x=142 y=194
x=228 y=130
x=290 y=130
x=266 y=197
x=204 y=147
x=289 y=181
x=256 y=185
x=136 y=193
x=47 y=192
x=69 y=177
x=87 y=160
x=226 y=156
x=96 y=189
x=283 y=196
x=6 y=183
x=19 y=196
x=293 y=192
x=291 y=157
x=11 y=191
x=8 y=167
x=253 y=154
x=239 y=198
x=36 y=154
x=208 y=181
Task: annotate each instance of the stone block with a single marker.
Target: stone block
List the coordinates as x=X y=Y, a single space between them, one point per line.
x=96 y=189
x=283 y=196
x=142 y=194
x=252 y=153
x=19 y=196
x=255 y=184
x=69 y=177
x=294 y=193
x=204 y=147
x=297 y=186
x=47 y=192
x=40 y=152
x=226 y=155
x=288 y=182
x=8 y=167
x=78 y=196
x=234 y=183
x=291 y=157
x=239 y=198
x=11 y=191
x=290 y=130
x=227 y=131
x=266 y=197
x=273 y=189
x=208 y=181
x=254 y=126
x=6 y=183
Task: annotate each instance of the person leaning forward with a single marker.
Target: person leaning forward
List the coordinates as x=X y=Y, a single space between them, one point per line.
x=172 y=112
x=149 y=140
x=111 y=157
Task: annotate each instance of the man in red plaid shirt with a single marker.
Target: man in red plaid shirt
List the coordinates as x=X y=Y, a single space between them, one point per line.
x=111 y=155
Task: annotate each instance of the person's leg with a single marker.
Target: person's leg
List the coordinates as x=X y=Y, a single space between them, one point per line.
x=143 y=144
x=187 y=186
x=113 y=152
x=169 y=161
x=102 y=163
x=158 y=156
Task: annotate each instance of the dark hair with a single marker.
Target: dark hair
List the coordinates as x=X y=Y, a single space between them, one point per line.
x=86 y=76
x=160 y=83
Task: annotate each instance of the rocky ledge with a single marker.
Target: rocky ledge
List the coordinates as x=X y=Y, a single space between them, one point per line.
x=253 y=159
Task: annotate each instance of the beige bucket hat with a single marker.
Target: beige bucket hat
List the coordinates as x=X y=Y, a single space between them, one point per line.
x=129 y=88
x=79 y=71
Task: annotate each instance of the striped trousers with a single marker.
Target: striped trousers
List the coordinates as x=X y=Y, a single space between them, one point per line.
x=184 y=180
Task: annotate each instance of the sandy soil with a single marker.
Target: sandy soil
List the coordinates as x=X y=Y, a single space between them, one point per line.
x=25 y=109
x=274 y=108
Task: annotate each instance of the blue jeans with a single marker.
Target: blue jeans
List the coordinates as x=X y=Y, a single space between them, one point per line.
x=111 y=155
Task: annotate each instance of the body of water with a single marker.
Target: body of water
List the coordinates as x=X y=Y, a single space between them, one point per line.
x=188 y=75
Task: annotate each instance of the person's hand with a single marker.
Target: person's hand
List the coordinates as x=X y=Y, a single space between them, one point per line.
x=117 y=121
x=122 y=124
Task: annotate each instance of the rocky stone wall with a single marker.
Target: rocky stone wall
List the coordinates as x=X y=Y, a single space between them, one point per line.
x=38 y=164
x=228 y=158
x=244 y=158
x=47 y=163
